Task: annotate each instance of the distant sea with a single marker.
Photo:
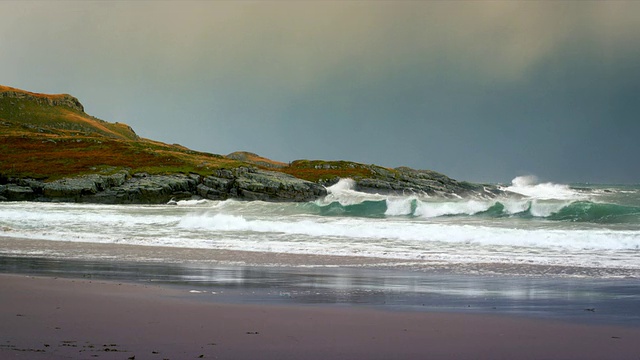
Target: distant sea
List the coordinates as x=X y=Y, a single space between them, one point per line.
x=577 y=230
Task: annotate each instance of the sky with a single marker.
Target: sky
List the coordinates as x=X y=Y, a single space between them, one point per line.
x=481 y=91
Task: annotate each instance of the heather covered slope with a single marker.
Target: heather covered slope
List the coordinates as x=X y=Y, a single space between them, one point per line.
x=52 y=150
x=50 y=137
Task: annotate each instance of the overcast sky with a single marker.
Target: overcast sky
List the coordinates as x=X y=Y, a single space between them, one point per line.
x=480 y=91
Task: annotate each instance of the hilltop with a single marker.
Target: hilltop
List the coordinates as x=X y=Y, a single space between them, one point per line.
x=49 y=137
x=52 y=150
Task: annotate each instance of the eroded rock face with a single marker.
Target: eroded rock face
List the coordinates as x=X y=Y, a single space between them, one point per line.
x=121 y=188
x=148 y=189
x=75 y=188
x=252 y=184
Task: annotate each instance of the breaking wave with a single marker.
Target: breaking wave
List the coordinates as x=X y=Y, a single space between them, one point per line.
x=549 y=201
x=579 y=211
x=530 y=187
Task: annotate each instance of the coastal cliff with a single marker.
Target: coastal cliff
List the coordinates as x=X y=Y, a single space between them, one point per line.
x=52 y=151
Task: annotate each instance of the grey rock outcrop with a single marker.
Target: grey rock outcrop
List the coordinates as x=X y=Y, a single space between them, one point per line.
x=149 y=189
x=252 y=184
x=121 y=188
x=74 y=189
x=14 y=192
x=408 y=181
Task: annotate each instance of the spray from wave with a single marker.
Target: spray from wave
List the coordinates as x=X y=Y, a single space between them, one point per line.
x=529 y=186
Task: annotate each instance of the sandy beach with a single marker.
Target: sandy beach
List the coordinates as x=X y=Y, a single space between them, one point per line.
x=62 y=318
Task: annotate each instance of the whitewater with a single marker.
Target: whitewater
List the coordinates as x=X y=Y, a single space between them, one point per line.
x=536 y=228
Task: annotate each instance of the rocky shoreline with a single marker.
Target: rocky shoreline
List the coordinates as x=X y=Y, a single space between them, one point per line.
x=122 y=188
x=243 y=183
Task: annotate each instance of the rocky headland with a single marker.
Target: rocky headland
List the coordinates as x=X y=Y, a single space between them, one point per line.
x=52 y=151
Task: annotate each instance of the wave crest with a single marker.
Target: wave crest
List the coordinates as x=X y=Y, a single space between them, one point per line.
x=549 y=201
x=530 y=187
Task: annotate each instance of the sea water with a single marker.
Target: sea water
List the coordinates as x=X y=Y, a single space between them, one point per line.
x=535 y=228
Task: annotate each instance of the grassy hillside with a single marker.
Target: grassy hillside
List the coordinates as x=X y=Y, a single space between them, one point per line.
x=49 y=137
x=60 y=114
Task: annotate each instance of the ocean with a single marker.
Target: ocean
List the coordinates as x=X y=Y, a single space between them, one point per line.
x=538 y=229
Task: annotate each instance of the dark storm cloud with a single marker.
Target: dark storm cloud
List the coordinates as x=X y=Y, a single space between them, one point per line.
x=477 y=90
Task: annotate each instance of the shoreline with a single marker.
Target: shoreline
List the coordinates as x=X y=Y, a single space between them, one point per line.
x=53 y=318
x=614 y=300
x=64 y=249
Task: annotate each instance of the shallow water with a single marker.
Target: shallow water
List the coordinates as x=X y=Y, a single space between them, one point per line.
x=611 y=301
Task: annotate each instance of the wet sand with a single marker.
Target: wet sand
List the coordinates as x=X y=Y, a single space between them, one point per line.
x=56 y=318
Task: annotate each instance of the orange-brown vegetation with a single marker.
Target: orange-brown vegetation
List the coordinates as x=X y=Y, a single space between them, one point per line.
x=317 y=170
x=256 y=160
x=48 y=141
x=51 y=140
x=4 y=88
x=53 y=157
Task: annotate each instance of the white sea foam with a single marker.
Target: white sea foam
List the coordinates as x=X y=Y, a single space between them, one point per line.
x=343 y=185
x=419 y=233
x=194 y=202
x=529 y=186
x=399 y=206
x=344 y=193
x=541 y=208
x=512 y=207
x=465 y=207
